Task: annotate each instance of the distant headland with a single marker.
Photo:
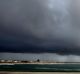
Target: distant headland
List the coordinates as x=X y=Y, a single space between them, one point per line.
x=34 y=62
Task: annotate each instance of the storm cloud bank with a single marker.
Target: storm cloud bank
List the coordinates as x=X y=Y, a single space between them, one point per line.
x=43 y=24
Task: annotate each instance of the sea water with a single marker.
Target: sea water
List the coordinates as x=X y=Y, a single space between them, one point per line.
x=41 y=67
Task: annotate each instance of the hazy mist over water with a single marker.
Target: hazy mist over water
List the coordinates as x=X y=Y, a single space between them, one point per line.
x=42 y=57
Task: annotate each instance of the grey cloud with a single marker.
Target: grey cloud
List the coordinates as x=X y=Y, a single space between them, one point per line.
x=48 y=21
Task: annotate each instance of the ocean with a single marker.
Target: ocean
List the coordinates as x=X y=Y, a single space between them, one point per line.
x=41 y=68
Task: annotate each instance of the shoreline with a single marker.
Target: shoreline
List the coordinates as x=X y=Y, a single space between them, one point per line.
x=34 y=63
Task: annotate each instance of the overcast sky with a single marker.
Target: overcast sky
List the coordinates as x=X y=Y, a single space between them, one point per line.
x=38 y=26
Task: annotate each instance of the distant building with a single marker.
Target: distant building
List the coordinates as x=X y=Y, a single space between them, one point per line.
x=38 y=60
x=15 y=61
x=9 y=61
x=25 y=62
x=2 y=61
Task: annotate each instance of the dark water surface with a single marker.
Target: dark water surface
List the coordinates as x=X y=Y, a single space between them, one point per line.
x=41 y=67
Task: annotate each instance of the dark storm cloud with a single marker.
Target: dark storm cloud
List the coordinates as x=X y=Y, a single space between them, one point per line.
x=40 y=25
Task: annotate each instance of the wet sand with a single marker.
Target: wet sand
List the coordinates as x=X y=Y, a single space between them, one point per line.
x=39 y=72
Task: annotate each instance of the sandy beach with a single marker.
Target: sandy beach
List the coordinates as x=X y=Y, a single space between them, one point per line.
x=39 y=72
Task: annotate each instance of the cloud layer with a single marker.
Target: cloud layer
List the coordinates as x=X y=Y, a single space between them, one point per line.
x=43 y=23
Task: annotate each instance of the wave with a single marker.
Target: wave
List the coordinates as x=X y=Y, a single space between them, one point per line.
x=57 y=69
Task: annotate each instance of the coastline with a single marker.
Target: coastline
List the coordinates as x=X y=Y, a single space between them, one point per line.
x=35 y=63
